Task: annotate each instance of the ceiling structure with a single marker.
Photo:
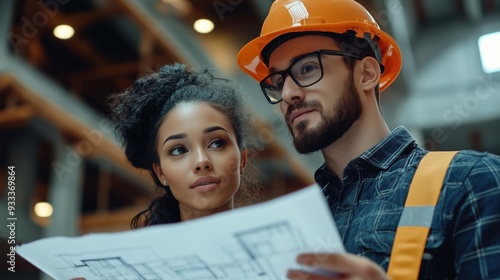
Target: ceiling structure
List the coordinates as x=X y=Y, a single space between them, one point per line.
x=445 y=90
x=115 y=42
x=118 y=40
x=65 y=83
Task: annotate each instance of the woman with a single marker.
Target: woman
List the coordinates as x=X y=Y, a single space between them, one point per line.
x=187 y=128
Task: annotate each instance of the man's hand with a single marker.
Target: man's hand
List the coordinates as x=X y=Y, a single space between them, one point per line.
x=336 y=266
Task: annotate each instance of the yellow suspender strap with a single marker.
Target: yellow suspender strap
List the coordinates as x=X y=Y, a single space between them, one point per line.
x=415 y=222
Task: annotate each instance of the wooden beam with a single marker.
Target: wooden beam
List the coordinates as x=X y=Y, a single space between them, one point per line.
x=490 y=6
x=117 y=220
x=113 y=70
x=77 y=130
x=78 y=43
x=82 y=20
x=6 y=80
x=86 y=49
x=148 y=25
x=421 y=15
x=146 y=51
x=103 y=190
x=460 y=7
x=16 y=116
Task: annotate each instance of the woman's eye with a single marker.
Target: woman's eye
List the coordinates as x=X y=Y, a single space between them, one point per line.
x=178 y=150
x=219 y=143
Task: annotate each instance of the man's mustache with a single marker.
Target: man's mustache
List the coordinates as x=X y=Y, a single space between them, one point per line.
x=303 y=105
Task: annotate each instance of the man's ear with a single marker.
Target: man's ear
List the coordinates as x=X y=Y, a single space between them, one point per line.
x=370 y=73
x=159 y=174
x=243 y=160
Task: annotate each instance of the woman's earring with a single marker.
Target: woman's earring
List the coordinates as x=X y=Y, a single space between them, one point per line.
x=164 y=183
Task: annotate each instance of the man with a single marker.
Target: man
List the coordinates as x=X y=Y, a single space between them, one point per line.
x=324 y=62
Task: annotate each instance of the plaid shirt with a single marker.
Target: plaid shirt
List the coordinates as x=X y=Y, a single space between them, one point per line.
x=464 y=240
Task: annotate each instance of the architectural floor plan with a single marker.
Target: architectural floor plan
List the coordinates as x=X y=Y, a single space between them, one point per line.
x=258 y=242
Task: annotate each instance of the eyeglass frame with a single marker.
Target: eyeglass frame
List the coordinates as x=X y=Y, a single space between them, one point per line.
x=287 y=72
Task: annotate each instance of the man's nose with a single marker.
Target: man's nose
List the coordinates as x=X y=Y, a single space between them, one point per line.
x=291 y=92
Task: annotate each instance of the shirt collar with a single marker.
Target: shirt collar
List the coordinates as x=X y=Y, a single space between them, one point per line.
x=381 y=155
x=389 y=149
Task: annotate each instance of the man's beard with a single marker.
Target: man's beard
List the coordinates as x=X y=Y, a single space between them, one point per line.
x=336 y=121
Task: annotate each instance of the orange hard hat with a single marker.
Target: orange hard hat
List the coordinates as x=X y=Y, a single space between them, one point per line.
x=336 y=16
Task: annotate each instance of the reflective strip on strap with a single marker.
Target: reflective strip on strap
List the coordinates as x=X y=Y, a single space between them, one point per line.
x=416 y=219
x=406 y=256
x=420 y=216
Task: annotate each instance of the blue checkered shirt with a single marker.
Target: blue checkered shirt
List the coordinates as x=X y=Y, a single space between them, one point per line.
x=464 y=240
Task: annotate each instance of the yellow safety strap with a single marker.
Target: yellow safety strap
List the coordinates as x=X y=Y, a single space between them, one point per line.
x=416 y=219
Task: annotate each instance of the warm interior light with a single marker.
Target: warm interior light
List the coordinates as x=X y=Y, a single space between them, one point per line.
x=64 y=31
x=489 y=46
x=43 y=209
x=203 y=26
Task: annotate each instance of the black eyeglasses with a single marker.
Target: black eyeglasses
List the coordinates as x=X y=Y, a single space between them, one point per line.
x=305 y=71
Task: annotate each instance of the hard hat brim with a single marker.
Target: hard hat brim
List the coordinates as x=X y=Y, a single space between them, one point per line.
x=250 y=60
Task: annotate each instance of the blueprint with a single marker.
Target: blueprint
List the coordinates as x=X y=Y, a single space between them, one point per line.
x=257 y=242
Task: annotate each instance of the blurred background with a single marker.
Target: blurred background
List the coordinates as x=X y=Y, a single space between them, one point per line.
x=61 y=59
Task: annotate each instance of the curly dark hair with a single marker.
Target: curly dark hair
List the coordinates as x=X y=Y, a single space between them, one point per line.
x=139 y=111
